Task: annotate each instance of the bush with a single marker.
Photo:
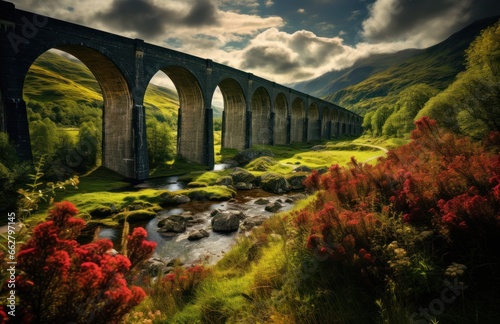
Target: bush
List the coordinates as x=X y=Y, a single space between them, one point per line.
x=60 y=280
x=403 y=226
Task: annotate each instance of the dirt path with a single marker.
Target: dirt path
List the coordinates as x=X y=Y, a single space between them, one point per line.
x=383 y=149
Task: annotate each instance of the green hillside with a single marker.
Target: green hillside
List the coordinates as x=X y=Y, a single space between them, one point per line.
x=378 y=79
x=334 y=81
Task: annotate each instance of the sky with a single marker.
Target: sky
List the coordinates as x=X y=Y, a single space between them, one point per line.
x=285 y=41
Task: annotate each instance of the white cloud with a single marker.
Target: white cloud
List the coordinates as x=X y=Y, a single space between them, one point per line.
x=284 y=57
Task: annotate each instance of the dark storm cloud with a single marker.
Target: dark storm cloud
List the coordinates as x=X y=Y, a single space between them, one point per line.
x=399 y=19
x=140 y=16
x=148 y=19
x=202 y=13
x=485 y=8
x=278 y=60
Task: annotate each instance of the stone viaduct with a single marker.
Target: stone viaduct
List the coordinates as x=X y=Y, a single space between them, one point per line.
x=256 y=110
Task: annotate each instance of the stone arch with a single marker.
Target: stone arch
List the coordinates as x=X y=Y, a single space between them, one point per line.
x=117 y=144
x=191 y=114
x=261 y=115
x=234 y=114
x=298 y=116
x=280 y=119
x=313 y=128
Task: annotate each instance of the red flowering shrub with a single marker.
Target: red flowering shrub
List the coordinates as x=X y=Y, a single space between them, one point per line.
x=395 y=226
x=138 y=249
x=62 y=281
x=439 y=179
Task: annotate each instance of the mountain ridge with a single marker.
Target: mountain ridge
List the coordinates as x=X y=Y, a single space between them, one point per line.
x=371 y=80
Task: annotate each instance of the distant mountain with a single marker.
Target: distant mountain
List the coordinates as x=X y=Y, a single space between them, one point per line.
x=377 y=78
x=334 y=81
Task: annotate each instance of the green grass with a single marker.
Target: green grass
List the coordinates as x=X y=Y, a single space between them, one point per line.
x=221 y=296
x=335 y=152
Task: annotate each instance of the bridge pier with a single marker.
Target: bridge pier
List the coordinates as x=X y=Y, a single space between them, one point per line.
x=305 y=129
x=208 y=145
x=248 y=129
x=141 y=166
x=272 y=119
x=288 y=130
x=16 y=125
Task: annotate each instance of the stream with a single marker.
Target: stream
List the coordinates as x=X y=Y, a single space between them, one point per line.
x=210 y=249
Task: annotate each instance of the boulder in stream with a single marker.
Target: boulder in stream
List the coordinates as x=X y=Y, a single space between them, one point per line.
x=174 y=224
x=243 y=186
x=224 y=181
x=274 y=182
x=296 y=180
x=168 y=198
x=262 y=201
x=226 y=221
x=242 y=175
x=273 y=207
x=198 y=235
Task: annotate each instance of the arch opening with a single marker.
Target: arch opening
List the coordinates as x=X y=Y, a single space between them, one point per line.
x=191 y=114
x=161 y=103
x=84 y=109
x=233 y=114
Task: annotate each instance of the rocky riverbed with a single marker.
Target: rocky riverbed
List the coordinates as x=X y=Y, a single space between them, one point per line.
x=202 y=231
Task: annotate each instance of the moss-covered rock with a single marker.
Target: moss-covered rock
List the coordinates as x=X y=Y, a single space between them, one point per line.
x=101 y=212
x=274 y=182
x=242 y=175
x=138 y=205
x=215 y=193
x=296 y=180
x=189 y=177
x=262 y=163
x=168 y=198
x=134 y=216
x=226 y=222
x=250 y=154
x=197 y=184
x=225 y=181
